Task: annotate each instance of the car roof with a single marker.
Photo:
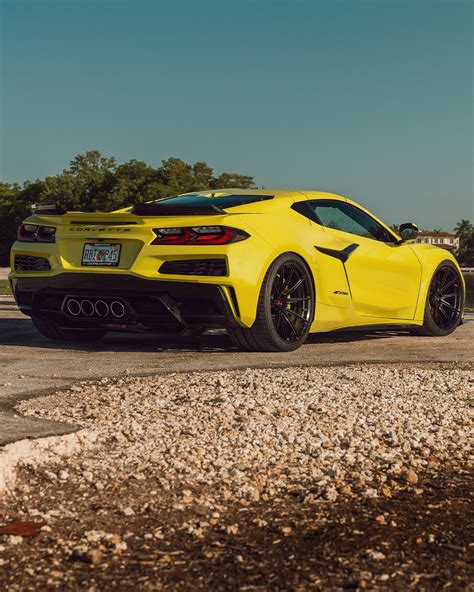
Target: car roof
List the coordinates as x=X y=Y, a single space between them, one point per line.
x=276 y=193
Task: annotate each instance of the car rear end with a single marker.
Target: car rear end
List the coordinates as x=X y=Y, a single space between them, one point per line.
x=166 y=266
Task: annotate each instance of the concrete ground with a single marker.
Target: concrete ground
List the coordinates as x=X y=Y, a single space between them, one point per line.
x=31 y=365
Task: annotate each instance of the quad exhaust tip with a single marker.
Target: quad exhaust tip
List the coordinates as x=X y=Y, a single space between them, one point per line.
x=117 y=309
x=100 y=308
x=87 y=308
x=73 y=307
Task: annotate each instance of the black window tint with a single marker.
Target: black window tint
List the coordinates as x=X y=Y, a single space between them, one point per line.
x=222 y=201
x=305 y=209
x=346 y=217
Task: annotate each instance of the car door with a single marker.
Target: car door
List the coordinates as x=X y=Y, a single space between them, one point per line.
x=383 y=274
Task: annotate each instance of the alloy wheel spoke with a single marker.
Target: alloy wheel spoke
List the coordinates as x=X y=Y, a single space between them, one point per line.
x=284 y=327
x=280 y=286
x=278 y=318
x=289 y=311
x=445 y=277
x=448 y=304
x=295 y=286
x=289 y=323
x=449 y=284
x=440 y=308
x=290 y=275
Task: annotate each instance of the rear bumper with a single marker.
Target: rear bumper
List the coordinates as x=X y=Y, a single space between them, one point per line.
x=151 y=304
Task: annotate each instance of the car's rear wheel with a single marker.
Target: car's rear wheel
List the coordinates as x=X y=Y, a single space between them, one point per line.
x=444 y=303
x=285 y=308
x=53 y=331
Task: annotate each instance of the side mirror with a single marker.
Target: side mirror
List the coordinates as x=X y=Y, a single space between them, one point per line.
x=408 y=231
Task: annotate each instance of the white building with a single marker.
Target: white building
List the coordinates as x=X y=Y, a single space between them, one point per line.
x=445 y=240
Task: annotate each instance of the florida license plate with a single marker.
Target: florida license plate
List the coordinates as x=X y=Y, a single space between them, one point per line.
x=101 y=254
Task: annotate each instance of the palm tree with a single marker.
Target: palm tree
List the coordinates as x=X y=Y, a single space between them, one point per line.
x=465 y=232
x=463 y=228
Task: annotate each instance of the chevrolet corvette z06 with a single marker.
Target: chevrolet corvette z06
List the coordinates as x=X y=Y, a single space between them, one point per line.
x=270 y=266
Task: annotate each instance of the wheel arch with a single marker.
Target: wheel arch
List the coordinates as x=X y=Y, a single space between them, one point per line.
x=431 y=259
x=308 y=267
x=247 y=293
x=300 y=256
x=263 y=334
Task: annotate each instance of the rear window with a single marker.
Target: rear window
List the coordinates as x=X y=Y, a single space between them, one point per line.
x=222 y=201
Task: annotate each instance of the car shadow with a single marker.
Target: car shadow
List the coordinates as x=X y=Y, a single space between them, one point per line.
x=20 y=332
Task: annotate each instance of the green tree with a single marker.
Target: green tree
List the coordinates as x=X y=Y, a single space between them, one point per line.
x=232 y=180
x=86 y=185
x=463 y=229
x=203 y=176
x=14 y=207
x=465 y=232
x=175 y=176
x=132 y=183
x=96 y=182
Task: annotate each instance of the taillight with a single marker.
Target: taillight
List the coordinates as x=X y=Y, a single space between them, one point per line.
x=198 y=235
x=32 y=233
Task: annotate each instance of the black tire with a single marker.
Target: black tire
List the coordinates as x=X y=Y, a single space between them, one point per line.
x=285 y=308
x=53 y=331
x=444 y=302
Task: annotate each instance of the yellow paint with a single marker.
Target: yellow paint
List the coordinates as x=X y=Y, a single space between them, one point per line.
x=388 y=283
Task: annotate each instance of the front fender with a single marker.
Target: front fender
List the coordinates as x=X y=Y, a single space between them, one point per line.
x=430 y=258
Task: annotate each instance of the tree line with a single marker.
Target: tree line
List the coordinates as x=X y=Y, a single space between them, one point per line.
x=95 y=182
x=465 y=232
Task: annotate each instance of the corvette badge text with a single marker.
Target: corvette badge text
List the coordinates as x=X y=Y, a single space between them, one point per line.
x=98 y=229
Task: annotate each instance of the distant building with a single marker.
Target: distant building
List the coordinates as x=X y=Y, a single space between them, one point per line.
x=445 y=240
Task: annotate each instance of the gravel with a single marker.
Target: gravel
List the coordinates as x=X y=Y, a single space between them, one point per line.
x=256 y=434
x=330 y=478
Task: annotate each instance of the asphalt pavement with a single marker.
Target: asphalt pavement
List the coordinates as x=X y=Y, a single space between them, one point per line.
x=31 y=365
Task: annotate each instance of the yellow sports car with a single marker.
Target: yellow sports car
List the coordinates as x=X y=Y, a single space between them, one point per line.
x=270 y=266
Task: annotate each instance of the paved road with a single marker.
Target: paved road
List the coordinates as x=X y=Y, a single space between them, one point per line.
x=31 y=365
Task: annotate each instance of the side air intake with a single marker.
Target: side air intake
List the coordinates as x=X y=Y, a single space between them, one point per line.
x=212 y=267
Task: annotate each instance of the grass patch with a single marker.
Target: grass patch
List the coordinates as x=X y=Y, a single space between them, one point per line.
x=5 y=288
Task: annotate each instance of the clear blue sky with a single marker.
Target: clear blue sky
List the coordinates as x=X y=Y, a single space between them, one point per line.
x=371 y=99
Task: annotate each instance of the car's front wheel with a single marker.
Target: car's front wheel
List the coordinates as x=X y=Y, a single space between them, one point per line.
x=444 y=302
x=53 y=331
x=285 y=308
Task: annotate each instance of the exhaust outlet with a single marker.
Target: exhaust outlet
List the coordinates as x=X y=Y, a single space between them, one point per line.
x=101 y=308
x=87 y=308
x=117 y=309
x=73 y=307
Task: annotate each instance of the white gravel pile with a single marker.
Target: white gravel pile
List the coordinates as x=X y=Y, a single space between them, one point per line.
x=254 y=434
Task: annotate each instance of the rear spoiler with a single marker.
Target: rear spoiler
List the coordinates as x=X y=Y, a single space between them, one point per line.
x=157 y=209
x=145 y=209
x=49 y=210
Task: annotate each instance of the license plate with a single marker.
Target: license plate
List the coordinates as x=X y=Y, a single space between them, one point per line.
x=101 y=254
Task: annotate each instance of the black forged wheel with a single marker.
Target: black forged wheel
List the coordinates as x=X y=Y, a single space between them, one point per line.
x=53 y=331
x=285 y=308
x=444 y=303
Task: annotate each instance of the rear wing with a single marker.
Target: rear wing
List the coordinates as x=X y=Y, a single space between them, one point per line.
x=162 y=209
x=144 y=209
x=49 y=210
